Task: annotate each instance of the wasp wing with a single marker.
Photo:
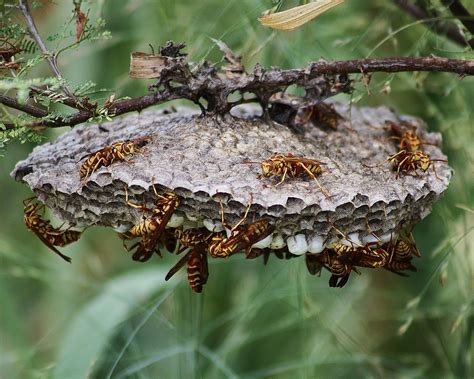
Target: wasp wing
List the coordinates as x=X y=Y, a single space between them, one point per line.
x=51 y=247
x=178 y=266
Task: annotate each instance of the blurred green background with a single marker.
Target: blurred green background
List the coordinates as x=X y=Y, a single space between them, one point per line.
x=105 y=316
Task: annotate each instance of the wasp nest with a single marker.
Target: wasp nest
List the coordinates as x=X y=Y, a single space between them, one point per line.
x=203 y=160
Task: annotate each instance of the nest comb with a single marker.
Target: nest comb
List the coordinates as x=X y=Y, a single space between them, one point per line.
x=200 y=159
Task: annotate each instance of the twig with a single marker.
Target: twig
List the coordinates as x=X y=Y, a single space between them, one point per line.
x=51 y=58
x=398 y=64
x=448 y=29
x=27 y=108
x=263 y=83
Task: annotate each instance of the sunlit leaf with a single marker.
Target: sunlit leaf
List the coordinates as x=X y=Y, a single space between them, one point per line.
x=297 y=16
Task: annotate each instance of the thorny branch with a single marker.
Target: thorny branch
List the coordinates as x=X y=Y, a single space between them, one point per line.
x=51 y=58
x=28 y=109
x=178 y=79
x=321 y=79
x=449 y=29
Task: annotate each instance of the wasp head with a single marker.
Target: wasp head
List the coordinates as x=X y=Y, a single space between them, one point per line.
x=267 y=168
x=424 y=161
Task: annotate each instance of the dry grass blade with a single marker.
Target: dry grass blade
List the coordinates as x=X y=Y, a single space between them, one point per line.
x=297 y=16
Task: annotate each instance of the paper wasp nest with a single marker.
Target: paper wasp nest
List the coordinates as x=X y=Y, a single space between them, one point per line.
x=199 y=157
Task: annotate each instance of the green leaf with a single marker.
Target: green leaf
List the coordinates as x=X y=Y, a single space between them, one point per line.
x=98 y=321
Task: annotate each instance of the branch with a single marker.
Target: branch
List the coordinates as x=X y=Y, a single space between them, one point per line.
x=26 y=108
x=51 y=58
x=448 y=29
x=205 y=82
x=398 y=64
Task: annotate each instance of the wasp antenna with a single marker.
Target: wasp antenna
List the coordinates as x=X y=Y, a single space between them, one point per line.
x=249 y=162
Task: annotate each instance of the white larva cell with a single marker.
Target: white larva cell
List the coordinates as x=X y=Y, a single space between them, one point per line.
x=386 y=238
x=175 y=221
x=263 y=244
x=192 y=217
x=213 y=226
x=316 y=244
x=189 y=224
x=278 y=242
x=122 y=228
x=370 y=238
x=297 y=245
x=355 y=238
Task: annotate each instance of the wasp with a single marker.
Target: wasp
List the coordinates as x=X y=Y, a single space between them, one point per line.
x=196 y=258
x=193 y=237
x=289 y=165
x=198 y=272
x=314 y=263
x=49 y=235
x=412 y=161
x=240 y=238
x=406 y=161
x=403 y=248
x=340 y=271
x=151 y=228
x=109 y=154
x=398 y=266
x=363 y=256
x=319 y=114
x=407 y=136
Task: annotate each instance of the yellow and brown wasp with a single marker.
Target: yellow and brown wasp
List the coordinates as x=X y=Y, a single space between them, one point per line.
x=109 y=154
x=198 y=272
x=289 y=165
x=362 y=256
x=398 y=266
x=196 y=258
x=151 y=228
x=407 y=136
x=240 y=238
x=403 y=248
x=49 y=235
x=321 y=114
x=340 y=271
x=406 y=161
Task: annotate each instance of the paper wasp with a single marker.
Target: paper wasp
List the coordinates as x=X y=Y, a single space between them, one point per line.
x=280 y=165
x=397 y=266
x=109 y=154
x=240 y=238
x=340 y=270
x=319 y=114
x=363 y=256
x=405 y=161
x=196 y=258
x=403 y=247
x=151 y=228
x=49 y=235
x=407 y=136
x=198 y=272
x=314 y=263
